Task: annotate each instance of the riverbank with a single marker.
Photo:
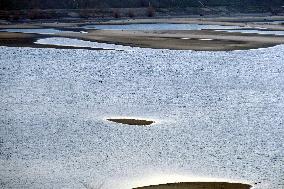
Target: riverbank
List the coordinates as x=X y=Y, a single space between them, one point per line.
x=205 y=40
x=200 y=40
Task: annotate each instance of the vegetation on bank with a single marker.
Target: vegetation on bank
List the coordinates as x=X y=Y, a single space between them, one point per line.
x=81 y=4
x=54 y=9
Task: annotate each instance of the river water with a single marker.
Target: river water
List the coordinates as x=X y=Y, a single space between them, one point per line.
x=218 y=117
x=167 y=26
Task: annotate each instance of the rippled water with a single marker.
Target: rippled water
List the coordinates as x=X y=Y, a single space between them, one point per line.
x=219 y=116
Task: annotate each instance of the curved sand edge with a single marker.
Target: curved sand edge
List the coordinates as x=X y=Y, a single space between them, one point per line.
x=198 y=185
x=175 y=39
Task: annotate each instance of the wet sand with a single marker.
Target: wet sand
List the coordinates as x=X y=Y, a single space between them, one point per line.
x=182 y=40
x=199 y=185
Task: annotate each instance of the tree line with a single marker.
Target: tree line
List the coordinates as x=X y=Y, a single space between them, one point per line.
x=82 y=4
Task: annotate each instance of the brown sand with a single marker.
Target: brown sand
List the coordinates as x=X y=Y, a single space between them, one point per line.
x=132 y=121
x=222 y=41
x=199 y=185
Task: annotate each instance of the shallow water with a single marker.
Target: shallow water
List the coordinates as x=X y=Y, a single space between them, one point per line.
x=271 y=22
x=159 y=26
x=181 y=27
x=263 y=32
x=37 y=31
x=218 y=117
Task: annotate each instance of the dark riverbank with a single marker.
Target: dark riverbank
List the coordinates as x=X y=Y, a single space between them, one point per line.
x=137 y=12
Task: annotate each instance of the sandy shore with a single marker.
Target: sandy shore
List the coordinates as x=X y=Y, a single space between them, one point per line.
x=10 y=39
x=200 y=40
x=199 y=185
x=205 y=40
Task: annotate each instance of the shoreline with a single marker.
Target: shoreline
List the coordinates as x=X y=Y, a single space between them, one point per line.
x=28 y=40
x=163 y=39
x=175 y=40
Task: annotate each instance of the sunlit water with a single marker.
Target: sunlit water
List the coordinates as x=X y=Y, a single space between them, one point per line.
x=219 y=117
x=60 y=41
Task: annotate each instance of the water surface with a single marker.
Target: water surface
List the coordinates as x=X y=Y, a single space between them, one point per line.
x=159 y=26
x=218 y=117
x=37 y=31
x=167 y=26
x=61 y=41
x=253 y=31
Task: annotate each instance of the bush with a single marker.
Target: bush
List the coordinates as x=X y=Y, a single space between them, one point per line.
x=150 y=11
x=144 y=3
x=15 y=16
x=131 y=14
x=39 y=14
x=116 y=14
x=33 y=14
x=84 y=14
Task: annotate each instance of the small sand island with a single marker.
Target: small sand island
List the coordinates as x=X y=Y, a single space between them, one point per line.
x=198 y=185
x=132 y=121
